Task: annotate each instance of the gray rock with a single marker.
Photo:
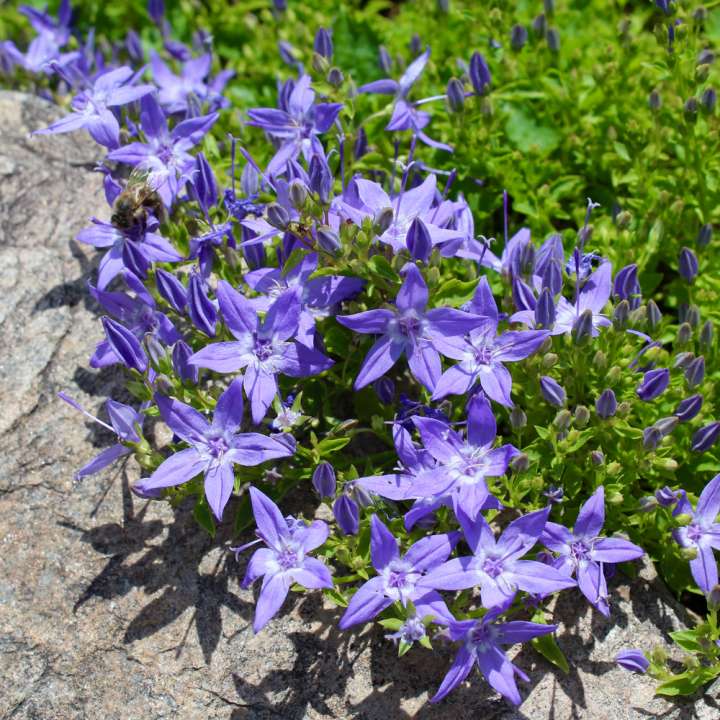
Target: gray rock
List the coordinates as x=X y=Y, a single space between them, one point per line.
x=112 y=607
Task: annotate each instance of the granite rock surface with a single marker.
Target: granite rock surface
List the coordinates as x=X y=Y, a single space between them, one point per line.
x=113 y=607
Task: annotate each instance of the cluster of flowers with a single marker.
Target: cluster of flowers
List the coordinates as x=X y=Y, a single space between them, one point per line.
x=272 y=270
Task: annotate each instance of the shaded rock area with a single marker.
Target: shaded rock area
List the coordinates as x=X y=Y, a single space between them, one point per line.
x=113 y=607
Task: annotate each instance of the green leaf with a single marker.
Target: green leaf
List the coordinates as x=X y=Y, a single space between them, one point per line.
x=379 y=265
x=527 y=135
x=688 y=682
x=203 y=516
x=336 y=597
x=332 y=445
x=454 y=292
x=547 y=646
x=687 y=640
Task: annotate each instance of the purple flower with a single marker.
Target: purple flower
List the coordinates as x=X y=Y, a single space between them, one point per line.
x=215 y=447
x=175 y=90
x=654 y=383
x=318 y=295
x=633 y=660
x=91 y=108
x=410 y=329
x=593 y=297
x=705 y=437
x=496 y=566
x=405 y=115
x=482 y=353
x=124 y=421
x=450 y=470
x=263 y=349
x=366 y=199
x=135 y=249
x=583 y=553
x=46 y=25
x=165 y=156
x=295 y=126
x=702 y=533
x=400 y=578
x=667 y=496
x=552 y=391
x=480 y=644
x=286 y=558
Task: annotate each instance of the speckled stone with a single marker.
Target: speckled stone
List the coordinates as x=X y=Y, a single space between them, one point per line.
x=115 y=608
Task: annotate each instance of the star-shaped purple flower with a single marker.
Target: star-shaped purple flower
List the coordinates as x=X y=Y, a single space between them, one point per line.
x=263 y=349
x=296 y=126
x=216 y=447
x=400 y=578
x=411 y=330
x=286 y=558
x=702 y=533
x=496 y=565
x=91 y=108
x=583 y=553
x=480 y=644
x=482 y=353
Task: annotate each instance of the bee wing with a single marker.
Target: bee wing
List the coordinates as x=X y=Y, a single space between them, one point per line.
x=143 y=175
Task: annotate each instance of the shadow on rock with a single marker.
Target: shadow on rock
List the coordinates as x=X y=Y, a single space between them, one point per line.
x=171 y=567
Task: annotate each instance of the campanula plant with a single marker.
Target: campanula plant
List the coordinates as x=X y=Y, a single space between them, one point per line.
x=487 y=398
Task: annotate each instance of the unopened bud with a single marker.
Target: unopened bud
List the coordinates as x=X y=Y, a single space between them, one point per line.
x=623 y=220
x=582 y=416
x=383 y=219
x=298 y=194
x=653 y=315
x=553 y=39
x=706 y=335
x=583 y=327
x=606 y=404
x=621 y=314
x=328 y=239
x=613 y=468
x=704 y=235
x=684 y=334
x=455 y=95
x=614 y=374
x=335 y=77
x=518 y=418
x=654 y=100
x=688 y=553
x=562 y=420
x=690 y=109
x=597 y=457
x=549 y=360
x=277 y=216
x=709 y=100
x=520 y=463
x=518 y=37
x=600 y=360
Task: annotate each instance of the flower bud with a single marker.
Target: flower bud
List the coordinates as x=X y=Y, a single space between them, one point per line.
x=621 y=314
x=648 y=504
x=125 y=345
x=654 y=100
x=384 y=219
x=456 y=95
x=545 y=310
x=479 y=73
x=706 y=335
x=684 y=334
x=335 y=77
x=704 y=438
x=690 y=109
x=624 y=219
x=582 y=416
x=688 y=553
x=600 y=360
x=444 y=6
x=652 y=437
x=597 y=457
x=549 y=360
x=633 y=660
x=613 y=468
x=347 y=515
x=562 y=420
x=688 y=264
x=704 y=236
x=688 y=408
x=666 y=497
x=415 y=45
x=654 y=316
x=709 y=100
x=385 y=389
x=692 y=316
x=554 y=494
x=323 y=44
x=553 y=39
x=360 y=147
x=323 y=480
x=384 y=60
x=552 y=391
x=625 y=285
x=713 y=598
x=613 y=375
x=328 y=239
x=552 y=276
x=539 y=25
x=418 y=240
x=606 y=404
x=298 y=194
x=654 y=383
x=518 y=37
x=695 y=372
x=665 y=464
x=200 y=308
x=520 y=463
x=180 y=355
x=666 y=425
x=583 y=327
x=277 y=216
x=171 y=289
x=518 y=419
x=683 y=359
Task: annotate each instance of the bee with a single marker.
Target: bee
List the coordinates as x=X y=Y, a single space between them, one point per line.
x=136 y=201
